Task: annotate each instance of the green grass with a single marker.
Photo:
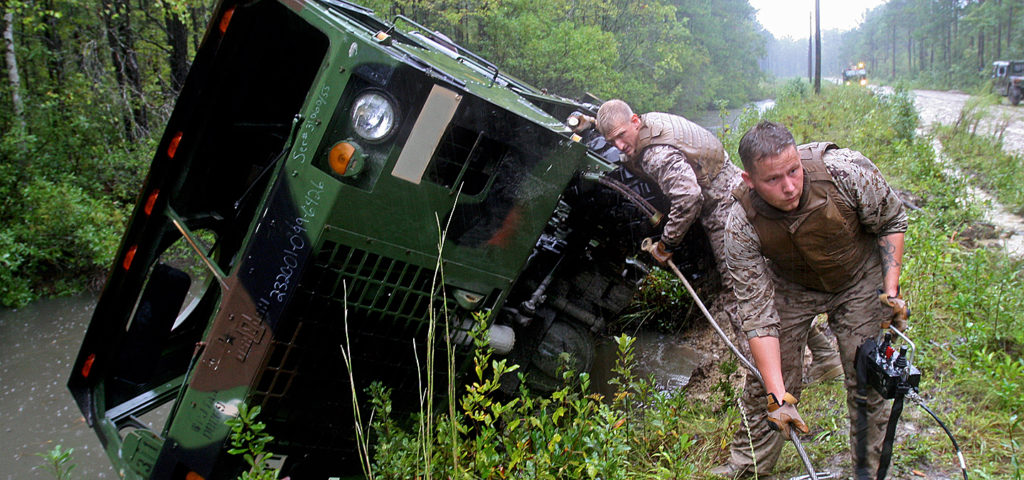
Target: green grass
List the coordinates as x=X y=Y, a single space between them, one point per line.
x=983 y=159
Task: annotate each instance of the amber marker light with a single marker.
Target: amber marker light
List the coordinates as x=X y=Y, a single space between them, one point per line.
x=172 y=147
x=87 y=365
x=151 y=201
x=340 y=156
x=128 y=257
x=225 y=20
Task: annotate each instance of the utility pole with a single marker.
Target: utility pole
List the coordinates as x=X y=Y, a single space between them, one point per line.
x=817 y=46
x=810 y=47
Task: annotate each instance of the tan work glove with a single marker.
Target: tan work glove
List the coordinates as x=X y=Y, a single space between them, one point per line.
x=657 y=250
x=784 y=415
x=579 y=122
x=900 y=312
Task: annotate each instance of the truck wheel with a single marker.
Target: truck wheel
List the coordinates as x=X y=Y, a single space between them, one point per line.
x=1015 y=96
x=562 y=337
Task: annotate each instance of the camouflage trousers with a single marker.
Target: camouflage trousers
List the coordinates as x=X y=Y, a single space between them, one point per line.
x=725 y=307
x=854 y=315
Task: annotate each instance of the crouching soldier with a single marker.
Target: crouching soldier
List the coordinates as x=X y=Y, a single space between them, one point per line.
x=814 y=229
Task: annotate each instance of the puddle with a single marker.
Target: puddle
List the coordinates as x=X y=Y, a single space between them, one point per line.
x=667 y=357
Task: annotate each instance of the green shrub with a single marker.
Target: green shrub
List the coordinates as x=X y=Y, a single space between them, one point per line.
x=59 y=239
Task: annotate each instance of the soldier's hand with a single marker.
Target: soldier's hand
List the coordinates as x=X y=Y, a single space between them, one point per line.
x=783 y=416
x=900 y=311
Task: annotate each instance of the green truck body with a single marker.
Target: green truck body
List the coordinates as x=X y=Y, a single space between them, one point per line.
x=314 y=156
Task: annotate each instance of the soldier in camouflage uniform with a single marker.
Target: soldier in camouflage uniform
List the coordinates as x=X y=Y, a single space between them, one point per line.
x=692 y=169
x=815 y=229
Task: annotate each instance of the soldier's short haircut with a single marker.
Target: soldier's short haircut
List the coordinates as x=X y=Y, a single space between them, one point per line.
x=766 y=139
x=612 y=113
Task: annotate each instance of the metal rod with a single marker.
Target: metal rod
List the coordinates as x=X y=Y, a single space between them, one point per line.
x=648 y=246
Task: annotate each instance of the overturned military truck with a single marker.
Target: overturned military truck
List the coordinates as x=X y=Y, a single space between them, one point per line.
x=313 y=158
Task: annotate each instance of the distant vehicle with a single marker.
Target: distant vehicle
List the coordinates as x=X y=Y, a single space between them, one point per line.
x=855 y=75
x=1006 y=79
x=296 y=197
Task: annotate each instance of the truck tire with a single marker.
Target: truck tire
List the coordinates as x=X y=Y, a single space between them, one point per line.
x=1015 y=96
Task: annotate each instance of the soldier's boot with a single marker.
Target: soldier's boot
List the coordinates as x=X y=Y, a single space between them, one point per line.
x=825 y=361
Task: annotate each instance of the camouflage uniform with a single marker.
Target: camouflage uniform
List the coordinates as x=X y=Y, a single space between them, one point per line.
x=775 y=306
x=668 y=167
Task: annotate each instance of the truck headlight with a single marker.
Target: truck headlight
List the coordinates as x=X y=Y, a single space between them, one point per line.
x=373 y=116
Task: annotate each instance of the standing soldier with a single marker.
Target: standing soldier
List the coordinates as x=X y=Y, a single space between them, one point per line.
x=815 y=229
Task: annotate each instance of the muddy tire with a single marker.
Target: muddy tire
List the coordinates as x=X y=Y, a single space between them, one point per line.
x=562 y=337
x=1015 y=96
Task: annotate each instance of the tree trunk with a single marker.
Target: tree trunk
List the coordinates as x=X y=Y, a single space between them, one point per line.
x=910 y=54
x=11 y=60
x=54 y=45
x=817 y=46
x=892 y=48
x=981 y=49
x=1009 y=27
x=117 y=20
x=177 y=38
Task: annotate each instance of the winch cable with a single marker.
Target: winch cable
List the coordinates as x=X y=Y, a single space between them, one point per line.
x=648 y=246
x=914 y=397
x=652 y=213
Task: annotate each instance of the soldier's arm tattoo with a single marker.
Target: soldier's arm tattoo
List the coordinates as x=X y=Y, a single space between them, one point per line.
x=888 y=251
x=890 y=247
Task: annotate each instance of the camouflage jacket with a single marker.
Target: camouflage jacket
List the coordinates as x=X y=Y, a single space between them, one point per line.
x=667 y=166
x=880 y=211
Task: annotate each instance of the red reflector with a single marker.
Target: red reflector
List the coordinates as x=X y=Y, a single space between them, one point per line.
x=128 y=257
x=150 y=201
x=225 y=20
x=172 y=148
x=87 y=366
x=194 y=476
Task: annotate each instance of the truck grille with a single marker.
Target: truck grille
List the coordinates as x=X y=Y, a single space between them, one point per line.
x=305 y=382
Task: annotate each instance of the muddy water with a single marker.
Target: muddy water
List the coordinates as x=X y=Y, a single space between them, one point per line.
x=665 y=357
x=38 y=343
x=714 y=119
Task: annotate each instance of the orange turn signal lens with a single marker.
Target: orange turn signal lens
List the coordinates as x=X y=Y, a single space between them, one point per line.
x=128 y=257
x=87 y=365
x=340 y=156
x=172 y=147
x=150 y=201
x=225 y=20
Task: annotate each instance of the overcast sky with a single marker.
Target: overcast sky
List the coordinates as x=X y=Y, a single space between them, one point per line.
x=791 y=18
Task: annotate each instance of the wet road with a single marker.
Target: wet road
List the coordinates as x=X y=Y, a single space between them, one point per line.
x=38 y=343
x=945 y=107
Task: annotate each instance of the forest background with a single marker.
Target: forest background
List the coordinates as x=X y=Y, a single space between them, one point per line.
x=90 y=83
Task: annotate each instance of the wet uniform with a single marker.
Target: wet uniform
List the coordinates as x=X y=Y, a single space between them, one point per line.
x=693 y=188
x=775 y=300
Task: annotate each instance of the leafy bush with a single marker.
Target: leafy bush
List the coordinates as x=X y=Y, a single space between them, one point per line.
x=570 y=433
x=59 y=239
x=249 y=440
